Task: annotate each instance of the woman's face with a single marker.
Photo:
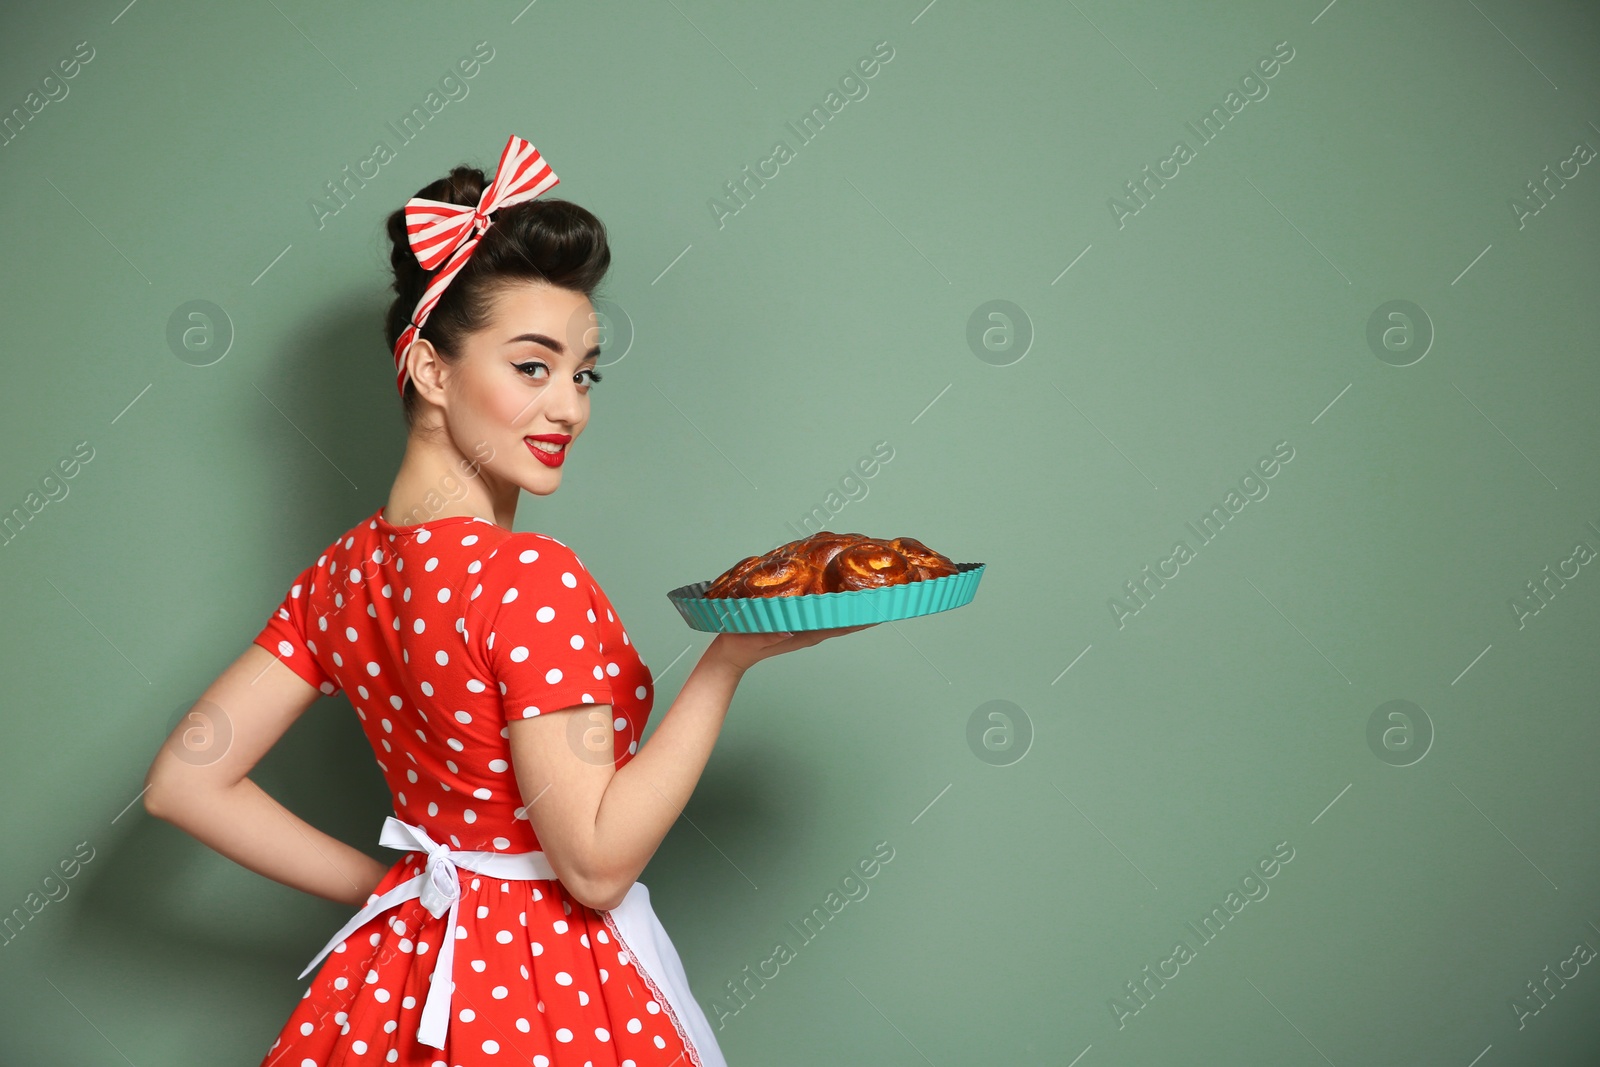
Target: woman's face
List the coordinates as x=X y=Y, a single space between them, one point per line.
x=525 y=375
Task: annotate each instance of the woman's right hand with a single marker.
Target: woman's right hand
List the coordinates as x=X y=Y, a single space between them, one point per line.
x=746 y=650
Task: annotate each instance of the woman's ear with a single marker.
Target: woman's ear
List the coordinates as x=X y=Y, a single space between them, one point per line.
x=427 y=370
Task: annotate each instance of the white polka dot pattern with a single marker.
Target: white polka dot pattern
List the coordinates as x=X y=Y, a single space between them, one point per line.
x=542 y=639
x=439 y=633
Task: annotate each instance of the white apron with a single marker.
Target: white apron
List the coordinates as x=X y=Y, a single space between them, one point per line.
x=633 y=923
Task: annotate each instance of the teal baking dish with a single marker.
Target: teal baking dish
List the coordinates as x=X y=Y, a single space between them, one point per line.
x=824 y=611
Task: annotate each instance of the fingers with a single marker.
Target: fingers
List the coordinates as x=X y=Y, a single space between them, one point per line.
x=780 y=641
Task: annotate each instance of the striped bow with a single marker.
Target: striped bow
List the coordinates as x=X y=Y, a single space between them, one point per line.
x=446 y=234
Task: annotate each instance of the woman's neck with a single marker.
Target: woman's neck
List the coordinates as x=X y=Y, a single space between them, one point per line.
x=437 y=481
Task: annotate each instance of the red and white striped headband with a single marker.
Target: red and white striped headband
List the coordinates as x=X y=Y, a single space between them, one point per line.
x=439 y=232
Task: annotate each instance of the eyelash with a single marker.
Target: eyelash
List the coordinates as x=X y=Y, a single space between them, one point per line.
x=594 y=375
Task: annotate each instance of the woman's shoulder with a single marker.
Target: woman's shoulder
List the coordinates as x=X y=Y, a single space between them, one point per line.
x=529 y=556
x=517 y=544
x=530 y=537
x=527 y=577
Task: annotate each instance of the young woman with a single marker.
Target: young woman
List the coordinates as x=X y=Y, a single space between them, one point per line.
x=495 y=682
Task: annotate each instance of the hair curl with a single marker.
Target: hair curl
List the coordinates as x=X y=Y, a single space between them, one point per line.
x=546 y=240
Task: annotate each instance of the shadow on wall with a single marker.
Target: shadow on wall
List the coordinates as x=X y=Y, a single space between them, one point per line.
x=323 y=437
x=154 y=882
x=328 y=423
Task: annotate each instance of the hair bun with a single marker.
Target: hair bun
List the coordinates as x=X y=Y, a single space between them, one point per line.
x=463 y=186
x=548 y=241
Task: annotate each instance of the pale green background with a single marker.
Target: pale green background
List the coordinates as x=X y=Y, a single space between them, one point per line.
x=1225 y=317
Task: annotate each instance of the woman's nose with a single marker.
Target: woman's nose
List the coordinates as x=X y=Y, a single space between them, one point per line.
x=566 y=401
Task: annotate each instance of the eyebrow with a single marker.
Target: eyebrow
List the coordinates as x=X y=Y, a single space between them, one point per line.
x=551 y=343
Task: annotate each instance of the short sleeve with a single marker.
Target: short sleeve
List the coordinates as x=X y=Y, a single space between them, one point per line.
x=286 y=634
x=541 y=640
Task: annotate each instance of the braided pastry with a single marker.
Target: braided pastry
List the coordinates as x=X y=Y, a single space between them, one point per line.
x=828 y=562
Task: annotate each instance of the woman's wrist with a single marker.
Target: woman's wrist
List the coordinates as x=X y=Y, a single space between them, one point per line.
x=718 y=657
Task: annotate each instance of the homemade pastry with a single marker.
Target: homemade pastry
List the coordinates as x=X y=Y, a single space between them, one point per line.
x=828 y=562
x=720 y=585
x=868 y=564
x=931 y=564
x=782 y=574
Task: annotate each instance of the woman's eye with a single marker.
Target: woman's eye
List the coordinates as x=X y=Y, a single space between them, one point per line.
x=528 y=367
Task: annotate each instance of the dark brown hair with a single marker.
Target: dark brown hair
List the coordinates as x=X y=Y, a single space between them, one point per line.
x=545 y=239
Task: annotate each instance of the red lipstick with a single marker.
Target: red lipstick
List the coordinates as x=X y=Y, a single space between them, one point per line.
x=549 y=459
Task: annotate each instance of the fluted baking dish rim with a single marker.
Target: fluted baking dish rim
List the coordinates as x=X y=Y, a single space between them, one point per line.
x=823 y=611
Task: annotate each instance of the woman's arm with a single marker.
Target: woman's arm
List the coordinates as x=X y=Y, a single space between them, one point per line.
x=197 y=782
x=598 y=825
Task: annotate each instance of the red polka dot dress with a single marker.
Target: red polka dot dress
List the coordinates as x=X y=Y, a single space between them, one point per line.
x=440 y=633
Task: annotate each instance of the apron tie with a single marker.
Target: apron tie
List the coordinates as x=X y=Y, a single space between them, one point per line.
x=438 y=887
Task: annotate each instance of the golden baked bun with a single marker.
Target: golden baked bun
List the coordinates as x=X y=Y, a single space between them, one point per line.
x=781 y=574
x=929 y=564
x=867 y=564
x=828 y=562
x=723 y=582
x=820 y=548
